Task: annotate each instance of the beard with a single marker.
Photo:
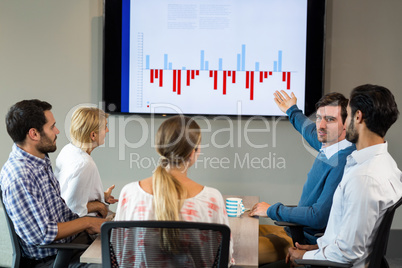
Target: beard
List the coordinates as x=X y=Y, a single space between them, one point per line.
x=46 y=145
x=351 y=134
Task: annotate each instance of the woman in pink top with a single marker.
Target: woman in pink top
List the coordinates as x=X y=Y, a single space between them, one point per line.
x=170 y=195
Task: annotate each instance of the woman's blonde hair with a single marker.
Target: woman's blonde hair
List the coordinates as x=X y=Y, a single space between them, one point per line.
x=176 y=139
x=84 y=121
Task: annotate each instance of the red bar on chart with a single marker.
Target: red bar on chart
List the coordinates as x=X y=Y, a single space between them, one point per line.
x=215 y=80
x=247 y=79
x=178 y=82
x=156 y=73
x=283 y=76
x=211 y=73
x=234 y=77
x=252 y=85
x=152 y=75
x=224 y=82
x=192 y=74
x=265 y=74
x=261 y=76
x=188 y=77
x=197 y=72
x=160 y=78
x=229 y=73
x=174 y=80
x=288 y=81
x=270 y=73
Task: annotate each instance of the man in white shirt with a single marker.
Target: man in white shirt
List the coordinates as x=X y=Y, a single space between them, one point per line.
x=370 y=185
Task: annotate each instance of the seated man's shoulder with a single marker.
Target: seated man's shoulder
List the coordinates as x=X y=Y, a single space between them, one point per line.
x=344 y=152
x=348 y=150
x=379 y=168
x=338 y=160
x=17 y=167
x=18 y=172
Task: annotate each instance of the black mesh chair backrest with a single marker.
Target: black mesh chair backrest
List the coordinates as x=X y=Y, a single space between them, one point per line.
x=14 y=237
x=164 y=244
x=377 y=256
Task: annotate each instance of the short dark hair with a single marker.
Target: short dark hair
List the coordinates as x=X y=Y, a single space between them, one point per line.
x=377 y=105
x=334 y=99
x=25 y=115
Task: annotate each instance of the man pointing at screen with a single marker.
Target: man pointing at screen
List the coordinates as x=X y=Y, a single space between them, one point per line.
x=327 y=136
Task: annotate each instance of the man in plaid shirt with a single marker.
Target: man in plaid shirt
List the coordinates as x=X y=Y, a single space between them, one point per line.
x=31 y=192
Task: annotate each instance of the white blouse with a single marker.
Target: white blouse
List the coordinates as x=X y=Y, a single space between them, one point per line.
x=79 y=179
x=207 y=206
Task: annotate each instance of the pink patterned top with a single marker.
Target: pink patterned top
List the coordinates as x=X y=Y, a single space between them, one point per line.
x=207 y=206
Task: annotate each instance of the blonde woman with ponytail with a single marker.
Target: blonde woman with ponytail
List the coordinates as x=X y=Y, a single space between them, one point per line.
x=170 y=195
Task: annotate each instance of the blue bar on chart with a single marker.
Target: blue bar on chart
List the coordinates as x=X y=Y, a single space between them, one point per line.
x=243 y=57
x=183 y=68
x=257 y=66
x=165 y=62
x=280 y=61
x=170 y=66
x=202 y=60
x=238 y=62
x=275 y=66
x=206 y=66
x=147 y=62
x=220 y=64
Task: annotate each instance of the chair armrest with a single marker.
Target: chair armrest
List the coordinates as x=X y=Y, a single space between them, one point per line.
x=320 y=263
x=65 y=252
x=296 y=231
x=289 y=224
x=81 y=242
x=66 y=246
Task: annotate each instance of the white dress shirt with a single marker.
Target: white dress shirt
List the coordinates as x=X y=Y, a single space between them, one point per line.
x=371 y=183
x=79 y=179
x=334 y=148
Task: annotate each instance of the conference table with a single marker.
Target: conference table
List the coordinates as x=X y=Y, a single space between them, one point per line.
x=244 y=230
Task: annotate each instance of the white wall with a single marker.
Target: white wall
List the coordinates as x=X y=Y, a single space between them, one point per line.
x=363 y=46
x=52 y=50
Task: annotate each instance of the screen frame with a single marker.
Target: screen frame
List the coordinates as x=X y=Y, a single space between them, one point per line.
x=112 y=56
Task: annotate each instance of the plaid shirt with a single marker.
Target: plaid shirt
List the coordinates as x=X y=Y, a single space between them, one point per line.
x=31 y=196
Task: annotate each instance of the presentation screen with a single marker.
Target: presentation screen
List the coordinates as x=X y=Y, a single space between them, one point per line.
x=211 y=57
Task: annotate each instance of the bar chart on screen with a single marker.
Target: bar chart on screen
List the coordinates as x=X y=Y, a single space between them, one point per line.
x=209 y=57
x=183 y=76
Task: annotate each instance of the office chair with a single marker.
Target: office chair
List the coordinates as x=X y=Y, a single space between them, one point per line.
x=296 y=231
x=380 y=243
x=144 y=244
x=14 y=238
x=65 y=250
